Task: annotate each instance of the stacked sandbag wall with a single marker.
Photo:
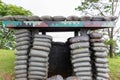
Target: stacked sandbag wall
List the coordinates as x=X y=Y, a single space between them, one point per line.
x=80 y=57
x=23 y=38
x=98 y=56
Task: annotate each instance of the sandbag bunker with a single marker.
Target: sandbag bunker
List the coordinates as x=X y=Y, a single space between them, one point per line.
x=82 y=57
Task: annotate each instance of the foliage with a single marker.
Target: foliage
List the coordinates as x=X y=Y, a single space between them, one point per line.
x=7 y=35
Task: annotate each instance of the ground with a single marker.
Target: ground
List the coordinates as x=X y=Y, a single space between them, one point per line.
x=7 y=59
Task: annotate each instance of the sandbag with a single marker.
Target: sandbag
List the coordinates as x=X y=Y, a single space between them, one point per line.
x=43 y=36
x=38 y=64
x=81 y=50
x=85 y=18
x=79 y=45
x=21 y=76
x=58 y=18
x=38 y=59
x=100 y=54
x=100 y=65
x=42 y=69
x=79 y=39
x=42 y=40
x=97 y=18
x=7 y=18
x=41 y=48
x=24 y=57
x=20 y=72
x=37 y=73
x=101 y=78
x=45 y=44
x=39 y=53
x=20 y=67
x=82 y=64
x=99 y=49
x=21 y=52
x=96 y=40
x=20 y=62
x=102 y=70
x=22 y=35
x=20 y=18
x=57 y=77
x=95 y=35
x=22 y=43
x=46 y=18
x=36 y=77
x=33 y=18
x=21 y=79
x=72 y=18
x=83 y=59
x=23 y=39
x=23 y=47
x=88 y=73
x=101 y=60
x=79 y=78
x=104 y=75
x=98 y=44
x=80 y=55
x=80 y=69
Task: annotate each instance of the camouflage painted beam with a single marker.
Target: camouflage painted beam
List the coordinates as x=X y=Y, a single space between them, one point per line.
x=38 y=24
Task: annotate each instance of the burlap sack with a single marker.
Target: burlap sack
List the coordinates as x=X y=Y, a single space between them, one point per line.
x=38 y=53
x=79 y=45
x=99 y=49
x=46 y=18
x=22 y=43
x=101 y=65
x=20 y=18
x=97 y=18
x=85 y=18
x=43 y=36
x=37 y=73
x=23 y=39
x=22 y=35
x=98 y=44
x=57 y=77
x=96 y=40
x=21 y=76
x=6 y=18
x=101 y=78
x=102 y=70
x=42 y=40
x=36 y=77
x=101 y=60
x=21 y=71
x=100 y=54
x=36 y=43
x=24 y=57
x=80 y=55
x=42 y=69
x=88 y=73
x=78 y=51
x=83 y=59
x=86 y=78
x=38 y=59
x=82 y=64
x=79 y=39
x=79 y=78
x=20 y=62
x=21 y=31
x=33 y=18
x=95 y=35
x=38 y=64
x=72 y=18
x=20 y=67
x=104 y=75
x=21 y=52
x=21 y=79
x=58 y=18
x=82 y=69
x=41 y=48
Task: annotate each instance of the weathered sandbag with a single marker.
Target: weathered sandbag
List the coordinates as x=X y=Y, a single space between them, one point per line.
x=86 y=78
x=20 y=18
x=20 y=67
x=36 y=77
x=42 y=40
x=96 y=40
x=21 y=31
x=33 y=18
x=95 y=35
x=46 y=18
x=100 y=65
x=22 y=35
x=20 y=62
x=21 y=76
x=102 y=70
x=21 y=52
x=57 y=77
x=20 y=71
x=58 y=18
x=42 y=36
x=80 y=55
x=38 y=59
x=88 y=73
x=39 y=53
x=79 y=45
x=106 y=18
x=7 y=18
x=85 y=18
x=37 y=73
x=23 y=39
x=42 y=69
x=79 y=78
x=41 y=48
x=82 y=64
x=36 y=43
x=83 y=59
x=104 y=75
x=21 y=79
x=23 y=47
x=100 y=54
x=96 y=44
x=81 y=50
x=79 y=39
x=99 y=49
x=72 y=18
x=97 y=18
x=82 y=69
x=23 y=57
x=39 y=64
x=22 y=43
x=101 y=78
x=101 y=60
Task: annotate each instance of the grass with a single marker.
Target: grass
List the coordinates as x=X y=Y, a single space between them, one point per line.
x=7 y=59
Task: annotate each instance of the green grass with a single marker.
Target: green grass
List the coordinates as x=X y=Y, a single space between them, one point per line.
x=7 y=59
